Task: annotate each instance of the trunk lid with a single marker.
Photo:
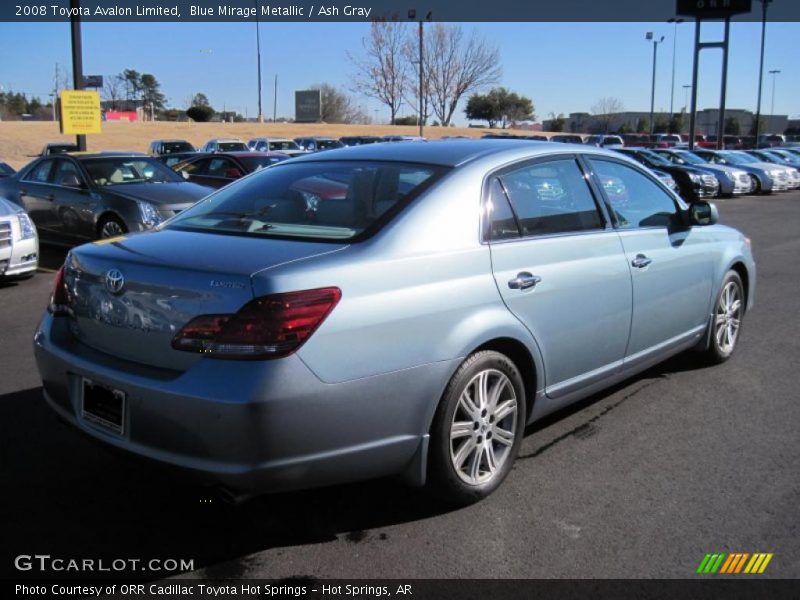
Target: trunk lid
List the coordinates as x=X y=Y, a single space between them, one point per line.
x=168 y=278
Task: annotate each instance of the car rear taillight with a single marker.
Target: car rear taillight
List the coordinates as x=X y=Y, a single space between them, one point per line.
x=267 y=327
x=59 y=299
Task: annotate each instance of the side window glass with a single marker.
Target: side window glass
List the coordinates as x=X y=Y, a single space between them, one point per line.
x=551 y=197
x=41 y=172
x=502 y=224
x=67 y=174
x=635 y=199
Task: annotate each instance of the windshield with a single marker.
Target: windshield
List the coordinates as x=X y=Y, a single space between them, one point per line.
x=254 y=163
x=739 y=157
x=283 y=145
x=319 y=200
x=655 y=158
x=690 y=158
x=120 y=170
x=173 y=147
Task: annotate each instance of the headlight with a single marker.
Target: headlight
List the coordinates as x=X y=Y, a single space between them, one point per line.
x=150 y=216
x=695 y=178
x=774 y=174
x=26 y=228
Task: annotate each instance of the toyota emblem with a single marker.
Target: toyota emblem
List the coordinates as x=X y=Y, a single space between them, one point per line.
x=115 y=281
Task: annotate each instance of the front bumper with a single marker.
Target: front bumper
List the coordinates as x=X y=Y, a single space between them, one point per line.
x=20 y=258
x=252 y=426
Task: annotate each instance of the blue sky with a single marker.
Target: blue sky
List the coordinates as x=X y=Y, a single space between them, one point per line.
x=563 y=67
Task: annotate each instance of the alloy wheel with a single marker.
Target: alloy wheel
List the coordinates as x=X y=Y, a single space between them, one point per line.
x=728 y=317
x=483 y=427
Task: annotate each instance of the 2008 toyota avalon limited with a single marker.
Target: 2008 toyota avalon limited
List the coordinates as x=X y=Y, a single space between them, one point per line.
x=277 y=335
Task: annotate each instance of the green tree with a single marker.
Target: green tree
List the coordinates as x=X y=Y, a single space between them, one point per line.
x=133 y=84
x=480 y=108
x=499 y=104
x=200 y=114
x=732 y=126
x=151 y=92
x=557 y=123
x=676 y=122
x=643 y=126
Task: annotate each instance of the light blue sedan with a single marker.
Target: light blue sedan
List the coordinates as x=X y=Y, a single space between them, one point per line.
x=388 y=309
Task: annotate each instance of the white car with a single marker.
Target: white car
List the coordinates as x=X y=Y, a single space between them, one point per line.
x=19 y=242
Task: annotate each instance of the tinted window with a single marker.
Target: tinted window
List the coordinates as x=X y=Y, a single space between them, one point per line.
x=41 y=172
x=551 y=197
x=322 y=200
x=66 y=173
x=196 y=167
x=254 y=163
x=502 y=225
x=283 y=145
x=635 y=199
x=231 y=147
x=172 y=147
x=218 y=167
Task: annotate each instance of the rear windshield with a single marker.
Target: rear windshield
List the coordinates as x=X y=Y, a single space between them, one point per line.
x=173 y=147
x=325 y=144
x=317 y=200
x=283 y=145
x=231 y=146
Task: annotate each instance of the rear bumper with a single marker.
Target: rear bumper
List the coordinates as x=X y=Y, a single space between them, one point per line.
x=253 y=426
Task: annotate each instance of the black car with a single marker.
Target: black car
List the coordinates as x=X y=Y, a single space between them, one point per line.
x=359 y=140
x=73 y=198
x=221 y=168
x=693 y=184
x=162 y=147
x=6 y=170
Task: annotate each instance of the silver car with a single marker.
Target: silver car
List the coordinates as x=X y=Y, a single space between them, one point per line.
x=19 y=243
x=388 y=309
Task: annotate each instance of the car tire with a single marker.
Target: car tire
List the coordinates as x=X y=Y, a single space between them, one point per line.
x=111 y=226
x=477 y=429
x=726 y=319
x=756 y=184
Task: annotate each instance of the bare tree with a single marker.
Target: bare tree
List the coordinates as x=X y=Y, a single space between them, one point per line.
x=113 y=90
x=337 y=106
x=383 y=72
x=605 y=109
x=457 y=65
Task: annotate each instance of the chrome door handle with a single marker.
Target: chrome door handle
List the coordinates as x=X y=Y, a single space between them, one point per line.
x=641 y=261
x=523 y=281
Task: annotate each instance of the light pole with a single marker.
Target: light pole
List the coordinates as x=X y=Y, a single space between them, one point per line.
x=772 y=105
x=258 y=60
x=764 y=4
x=649 y=36
x=686 y=87
x=412 y=14
x=674 y=43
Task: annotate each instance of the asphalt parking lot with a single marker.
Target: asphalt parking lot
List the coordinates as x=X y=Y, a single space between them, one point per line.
x=639 y=481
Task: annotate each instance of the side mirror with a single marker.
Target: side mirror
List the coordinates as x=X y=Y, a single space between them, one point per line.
x=703 y=213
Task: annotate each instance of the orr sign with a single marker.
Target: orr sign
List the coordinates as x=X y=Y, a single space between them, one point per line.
x=80 y=112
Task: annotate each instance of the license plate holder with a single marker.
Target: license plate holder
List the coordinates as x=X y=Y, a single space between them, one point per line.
x=103 y=406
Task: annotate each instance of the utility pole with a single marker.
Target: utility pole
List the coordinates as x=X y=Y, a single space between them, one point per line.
x=674 y=44
x=422 y=93
x=774 y=72
x=649 y=36
x=258 y=52
x=764 y=4
x=275 y=101
x=77 y=57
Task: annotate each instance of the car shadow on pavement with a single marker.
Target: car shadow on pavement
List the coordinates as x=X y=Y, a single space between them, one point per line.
x=69 y=496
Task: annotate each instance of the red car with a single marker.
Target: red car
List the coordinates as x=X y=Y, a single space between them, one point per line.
x=219 y=169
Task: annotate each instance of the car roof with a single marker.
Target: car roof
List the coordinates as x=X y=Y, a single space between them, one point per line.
x=166 y=141
x=107 y=154
x=447 y=153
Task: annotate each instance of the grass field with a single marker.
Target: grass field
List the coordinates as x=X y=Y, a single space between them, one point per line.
x=20 y=141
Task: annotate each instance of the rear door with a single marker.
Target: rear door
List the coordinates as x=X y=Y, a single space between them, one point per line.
x=72 y=206
x=670 y=265
x=560 y=268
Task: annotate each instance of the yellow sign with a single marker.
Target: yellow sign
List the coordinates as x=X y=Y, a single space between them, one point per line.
x=80 y=112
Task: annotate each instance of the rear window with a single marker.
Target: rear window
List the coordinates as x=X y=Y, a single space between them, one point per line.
x=283 y=145
x=232 y=146
x=314 y=200
x=173 y=147
x=254 y=163
x=326 y=144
